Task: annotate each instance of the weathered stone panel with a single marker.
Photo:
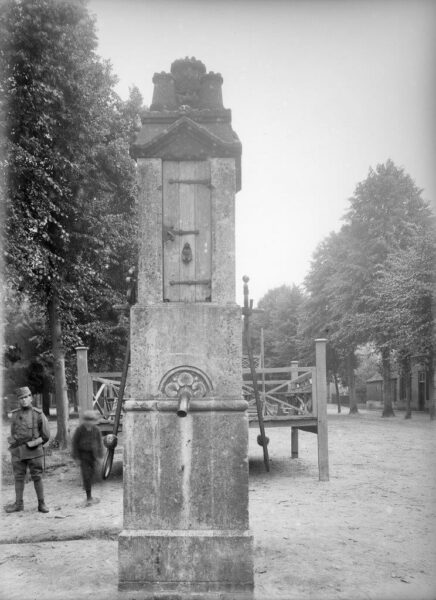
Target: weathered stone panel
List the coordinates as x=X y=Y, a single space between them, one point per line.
x=194 y=469
x=202 y=335
x=223 y=229
x=149 y=173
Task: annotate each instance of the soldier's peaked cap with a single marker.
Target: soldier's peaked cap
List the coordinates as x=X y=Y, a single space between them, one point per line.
x=23 y=391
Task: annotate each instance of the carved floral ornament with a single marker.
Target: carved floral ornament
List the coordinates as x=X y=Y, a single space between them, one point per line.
x=185 y=379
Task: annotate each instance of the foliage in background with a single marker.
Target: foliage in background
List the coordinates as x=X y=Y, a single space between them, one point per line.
x=402 y=303
x=279 y=321
x=326 y=311
x=71 y=184
x=371 y=282
x=368 y=365
x=387 y=217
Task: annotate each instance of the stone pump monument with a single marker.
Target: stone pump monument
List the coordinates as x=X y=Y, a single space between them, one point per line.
x=186 y=424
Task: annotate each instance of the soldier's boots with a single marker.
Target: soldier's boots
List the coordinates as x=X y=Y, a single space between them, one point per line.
x=39 y=489
x=15 y=507
x=18 y=505
x=42 y=507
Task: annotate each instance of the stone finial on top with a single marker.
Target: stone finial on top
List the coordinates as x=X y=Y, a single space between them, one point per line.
x=164 y=93
x=187 y=66
x=187 y=73
x=187 y=86
x=210 y=95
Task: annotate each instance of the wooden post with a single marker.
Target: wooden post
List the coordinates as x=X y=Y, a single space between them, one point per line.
x=321 y=393
x=314 y=392
x=247 y=312
x=294 y=430
x=82 y=379
x=262 y=364
x=294 y=442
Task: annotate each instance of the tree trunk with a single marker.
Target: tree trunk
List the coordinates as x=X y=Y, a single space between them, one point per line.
x=388 y=410
x=432 y=390
x=59 y=374
x=405 y=371
x=46 y=395
x=351 y=384
x=338 y=398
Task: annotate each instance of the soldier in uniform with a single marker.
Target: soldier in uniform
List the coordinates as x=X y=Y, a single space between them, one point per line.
x=29 y=431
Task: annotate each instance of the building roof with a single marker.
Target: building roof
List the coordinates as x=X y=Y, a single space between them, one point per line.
x=377 y=377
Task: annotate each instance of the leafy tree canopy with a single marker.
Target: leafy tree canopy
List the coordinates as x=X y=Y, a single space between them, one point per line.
x=279 y=322
x=70 y=184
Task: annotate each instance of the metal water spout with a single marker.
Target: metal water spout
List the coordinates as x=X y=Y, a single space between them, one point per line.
x=184 y=402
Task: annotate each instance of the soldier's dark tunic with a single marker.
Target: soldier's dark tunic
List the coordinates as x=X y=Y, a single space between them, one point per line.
x=87 y=447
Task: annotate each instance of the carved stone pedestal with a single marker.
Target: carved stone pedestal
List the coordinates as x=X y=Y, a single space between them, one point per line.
x=186 y=478
x=186 y=530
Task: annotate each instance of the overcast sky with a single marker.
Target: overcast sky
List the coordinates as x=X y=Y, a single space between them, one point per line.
x=319 y=92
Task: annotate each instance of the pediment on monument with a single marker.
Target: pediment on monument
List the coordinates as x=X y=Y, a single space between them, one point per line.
x=185 y=140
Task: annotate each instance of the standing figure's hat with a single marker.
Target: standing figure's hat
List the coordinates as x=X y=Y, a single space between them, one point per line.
x=23 y=391
x=90 y=416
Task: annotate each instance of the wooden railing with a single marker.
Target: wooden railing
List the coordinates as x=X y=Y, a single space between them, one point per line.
x=282 y=390
x=104 y=388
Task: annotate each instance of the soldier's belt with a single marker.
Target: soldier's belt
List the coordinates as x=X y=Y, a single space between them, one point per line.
x=22 y=451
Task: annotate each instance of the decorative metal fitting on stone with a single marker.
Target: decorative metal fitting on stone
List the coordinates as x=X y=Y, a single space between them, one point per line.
x=187 y=253
x=185 y=380
x=110 y=441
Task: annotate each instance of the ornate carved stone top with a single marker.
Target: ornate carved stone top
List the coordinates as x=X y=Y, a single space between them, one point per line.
x=187 y=75
x=187 y=119
x=187 y=87
x=183 y=65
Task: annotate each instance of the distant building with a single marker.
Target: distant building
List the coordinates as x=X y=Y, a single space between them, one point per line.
x=420 y=387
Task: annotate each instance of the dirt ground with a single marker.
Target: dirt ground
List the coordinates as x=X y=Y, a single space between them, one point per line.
x=367 y=534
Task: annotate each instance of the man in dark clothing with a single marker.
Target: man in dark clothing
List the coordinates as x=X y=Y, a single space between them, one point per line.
x=87 y=447
x=29 y=431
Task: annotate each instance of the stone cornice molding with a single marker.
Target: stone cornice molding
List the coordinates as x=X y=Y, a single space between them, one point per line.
x=162 y=143
x=186 y=139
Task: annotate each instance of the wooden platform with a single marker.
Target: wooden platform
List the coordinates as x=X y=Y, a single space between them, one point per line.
x=293 y=397
x=300 y=421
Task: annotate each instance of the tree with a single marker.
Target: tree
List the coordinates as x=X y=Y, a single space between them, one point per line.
x=402 y=304
x=327 y=309
x=386 y=215
x=67 y=167
x=368 y=364
x=279 y=322
x=112 y=185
